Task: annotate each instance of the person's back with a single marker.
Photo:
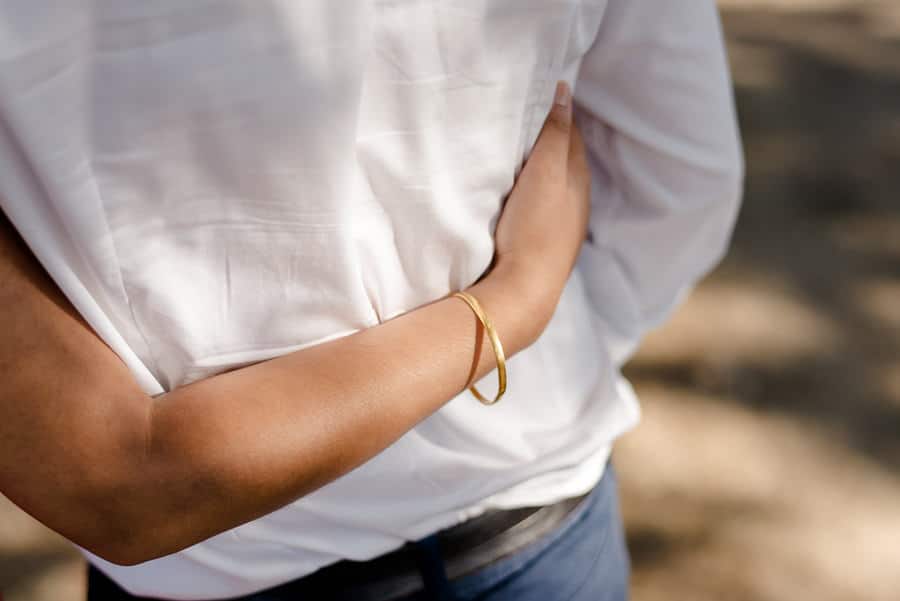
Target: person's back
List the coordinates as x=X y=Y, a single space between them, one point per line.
x=215 y=184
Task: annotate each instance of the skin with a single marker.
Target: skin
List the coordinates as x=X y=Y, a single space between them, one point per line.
x=132 y=478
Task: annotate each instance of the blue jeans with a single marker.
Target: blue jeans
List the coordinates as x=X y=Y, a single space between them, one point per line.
x=584 y=559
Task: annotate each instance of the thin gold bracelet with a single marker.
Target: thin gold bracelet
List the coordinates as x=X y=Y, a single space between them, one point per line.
x=495 y=344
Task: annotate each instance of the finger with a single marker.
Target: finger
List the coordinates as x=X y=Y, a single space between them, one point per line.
x=552 y=146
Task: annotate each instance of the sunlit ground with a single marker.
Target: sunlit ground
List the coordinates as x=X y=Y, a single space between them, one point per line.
x=767 y=465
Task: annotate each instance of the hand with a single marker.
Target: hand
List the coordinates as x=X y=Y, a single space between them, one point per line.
x=544 y=221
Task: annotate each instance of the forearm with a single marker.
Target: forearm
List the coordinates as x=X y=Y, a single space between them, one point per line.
x=131 y=478
x=233 y=447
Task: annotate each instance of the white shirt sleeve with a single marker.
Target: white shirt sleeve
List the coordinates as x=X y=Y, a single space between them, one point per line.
x=654 y=100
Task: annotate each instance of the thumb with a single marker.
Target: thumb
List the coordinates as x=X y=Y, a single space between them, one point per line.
x=560 y=115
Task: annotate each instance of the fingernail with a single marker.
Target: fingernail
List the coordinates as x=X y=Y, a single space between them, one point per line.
x=562 y=97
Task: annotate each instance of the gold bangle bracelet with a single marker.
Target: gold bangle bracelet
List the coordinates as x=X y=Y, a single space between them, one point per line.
x=495 y=344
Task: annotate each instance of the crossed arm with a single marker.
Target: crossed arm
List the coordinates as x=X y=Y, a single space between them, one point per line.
x=131 y=478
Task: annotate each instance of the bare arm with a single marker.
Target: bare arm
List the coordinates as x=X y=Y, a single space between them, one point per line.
x=132 y=478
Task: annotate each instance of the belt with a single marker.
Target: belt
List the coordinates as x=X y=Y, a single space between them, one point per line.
x=465 y=548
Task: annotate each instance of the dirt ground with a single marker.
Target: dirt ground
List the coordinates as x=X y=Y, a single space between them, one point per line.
x=767 y=464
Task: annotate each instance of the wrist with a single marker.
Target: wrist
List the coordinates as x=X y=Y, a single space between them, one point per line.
x=520 y=305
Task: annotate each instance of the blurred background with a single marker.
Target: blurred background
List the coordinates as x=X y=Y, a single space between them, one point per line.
x=767 y=464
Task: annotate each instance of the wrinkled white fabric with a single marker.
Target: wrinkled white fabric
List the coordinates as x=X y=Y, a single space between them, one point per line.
x=216 y=183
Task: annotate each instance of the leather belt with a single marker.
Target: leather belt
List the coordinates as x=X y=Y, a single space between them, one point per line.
x=465 y=548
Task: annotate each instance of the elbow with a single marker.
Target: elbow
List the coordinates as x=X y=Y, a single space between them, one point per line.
x=119 y=538
x=127 y=543
x=121 y=522
x=121 y=553
x=135 y=536
x=130 y=524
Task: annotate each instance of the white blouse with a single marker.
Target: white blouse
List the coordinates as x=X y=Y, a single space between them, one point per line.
x=216 y=183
